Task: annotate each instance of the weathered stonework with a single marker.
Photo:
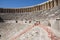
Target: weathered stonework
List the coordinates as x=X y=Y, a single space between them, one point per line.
x=13 y=21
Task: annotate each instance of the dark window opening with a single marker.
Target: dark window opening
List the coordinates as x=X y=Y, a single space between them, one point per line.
x=0 y=35
x=16 y=21
x=1 y=20
x=1 y=10
x=49 y=24
x=29 y=21
x=25 y=21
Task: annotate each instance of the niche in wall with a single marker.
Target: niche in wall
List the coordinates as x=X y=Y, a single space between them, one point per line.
x=16 y=21
x=0 y=36
x=1 y=20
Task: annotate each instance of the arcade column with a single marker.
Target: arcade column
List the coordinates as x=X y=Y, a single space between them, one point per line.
x=59 y=2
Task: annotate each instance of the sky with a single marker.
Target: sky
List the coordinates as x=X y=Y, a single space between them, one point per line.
x=19 y=3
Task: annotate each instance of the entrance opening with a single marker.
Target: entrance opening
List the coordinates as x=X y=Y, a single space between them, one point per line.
x=1 y=20
x=16 y=21
x=0 y=35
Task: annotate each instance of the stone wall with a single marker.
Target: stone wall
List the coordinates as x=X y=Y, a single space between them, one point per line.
x=14 y=22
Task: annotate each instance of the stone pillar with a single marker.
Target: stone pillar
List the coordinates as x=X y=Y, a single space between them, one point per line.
x=13 y=10
x=21 y=10
x=55 y=2
x=39 y=7
x=29 y=9
x=6 y=10
x=46 y=5
x=43 y=7
x=36 y=8
x=1 y=10
x=17 y=10
x=32 y=8
x=59 y=2
x=51 y=4
x=24 y=10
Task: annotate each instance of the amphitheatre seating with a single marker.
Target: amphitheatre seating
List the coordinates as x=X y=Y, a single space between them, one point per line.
x=27 y=15
x=9 y=29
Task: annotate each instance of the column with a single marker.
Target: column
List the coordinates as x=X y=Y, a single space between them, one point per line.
x=34 y=8
x=5 y=10
x=19 y=10
x=23 y=10
x=56 y=2
x=59 y=2
x=1 y=10
x=46 y=6
x=43 y=6
x=49 y=4
x=27 y=9
x=40 y=7
x=16 y=10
